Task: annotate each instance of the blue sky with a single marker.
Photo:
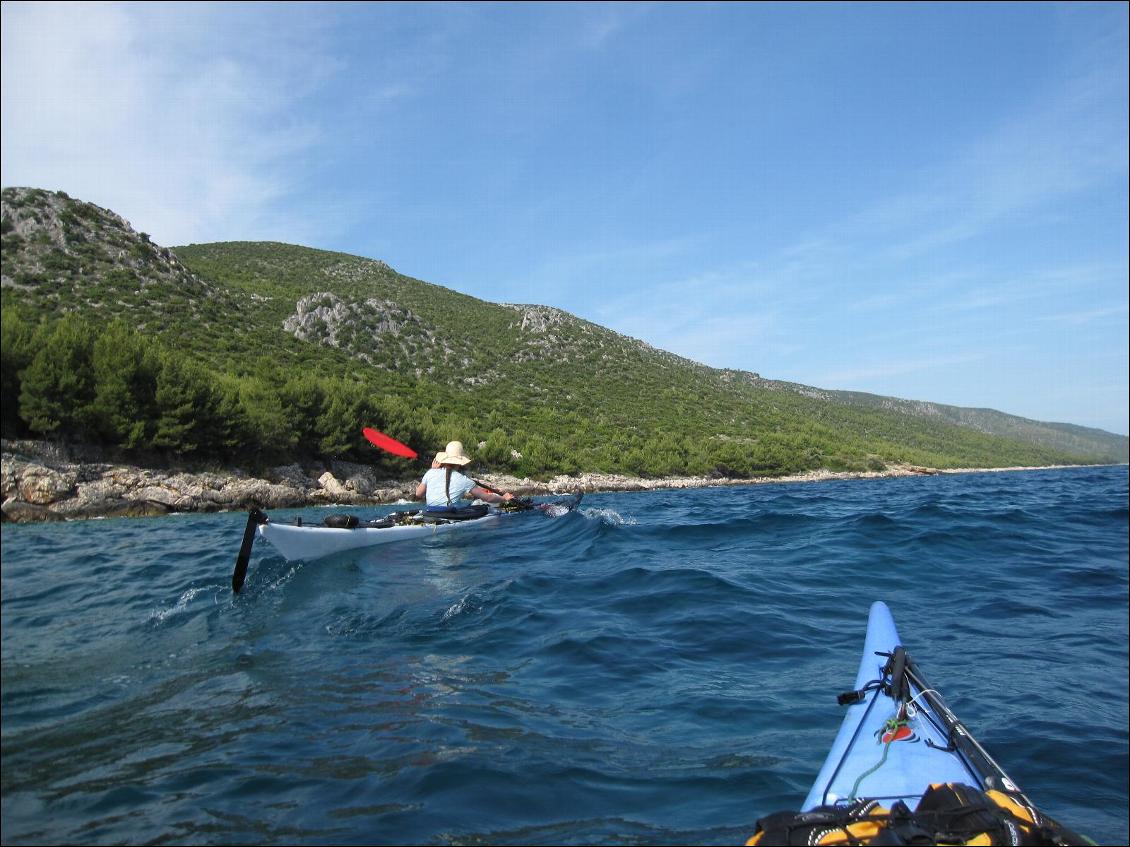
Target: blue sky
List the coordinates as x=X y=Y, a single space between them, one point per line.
x=920 y=200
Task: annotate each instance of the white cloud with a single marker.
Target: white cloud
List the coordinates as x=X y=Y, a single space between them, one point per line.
x=728 y=316
x=899 y=265
x=157 y=112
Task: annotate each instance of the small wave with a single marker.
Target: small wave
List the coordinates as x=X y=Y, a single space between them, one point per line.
x=608 y=517
x=555 y=510
x=874 y=520
x=637 y=581
x=284 y=578
x=1010 y=608
x=160 y=615
x=469 y=603
x=723 y=528
x=362 y=624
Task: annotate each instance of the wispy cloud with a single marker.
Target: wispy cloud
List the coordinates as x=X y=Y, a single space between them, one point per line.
x=726 y=316
x=899 y=266
x=1087 y=316
x=884 y=370
x=109 y=103
x=603 y=22
x=1069 y=142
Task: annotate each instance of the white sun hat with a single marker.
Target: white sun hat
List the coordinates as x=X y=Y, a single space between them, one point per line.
x=453 y=455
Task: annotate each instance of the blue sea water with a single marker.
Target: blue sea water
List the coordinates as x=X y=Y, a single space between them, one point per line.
x=656 y=667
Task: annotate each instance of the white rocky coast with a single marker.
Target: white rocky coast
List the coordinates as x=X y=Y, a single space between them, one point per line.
x=44 y=482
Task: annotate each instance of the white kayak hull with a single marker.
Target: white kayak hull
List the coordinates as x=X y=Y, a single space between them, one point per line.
x=295 y=541
x=317 y=542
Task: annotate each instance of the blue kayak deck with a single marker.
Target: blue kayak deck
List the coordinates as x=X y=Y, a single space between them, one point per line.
x=860 y=764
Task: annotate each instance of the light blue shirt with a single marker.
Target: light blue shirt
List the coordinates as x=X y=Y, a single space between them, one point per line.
x=435 y=495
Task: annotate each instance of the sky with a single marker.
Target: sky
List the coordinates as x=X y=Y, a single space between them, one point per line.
x=920 y=200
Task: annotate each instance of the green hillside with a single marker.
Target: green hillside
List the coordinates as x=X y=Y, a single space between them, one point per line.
x=264 y=352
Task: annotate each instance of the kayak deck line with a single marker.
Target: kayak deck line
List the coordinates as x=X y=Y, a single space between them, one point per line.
x=903 y=769
x=309 y=542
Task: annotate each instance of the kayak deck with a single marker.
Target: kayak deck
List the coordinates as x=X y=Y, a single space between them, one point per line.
x=904 y=770
x=886 y=750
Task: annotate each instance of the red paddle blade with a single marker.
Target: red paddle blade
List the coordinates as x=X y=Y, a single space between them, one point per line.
x=379 y=439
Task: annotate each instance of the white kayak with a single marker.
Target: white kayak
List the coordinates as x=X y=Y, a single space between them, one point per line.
x=310 y=542
x=317 y=542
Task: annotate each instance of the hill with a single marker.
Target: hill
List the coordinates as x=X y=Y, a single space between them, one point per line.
x=264 y=352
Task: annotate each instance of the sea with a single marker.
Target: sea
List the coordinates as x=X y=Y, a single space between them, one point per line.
x=653 y=668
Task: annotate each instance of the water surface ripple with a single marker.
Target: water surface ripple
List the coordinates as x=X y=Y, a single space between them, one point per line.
x=657 y=667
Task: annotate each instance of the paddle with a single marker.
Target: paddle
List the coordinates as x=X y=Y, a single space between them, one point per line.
x=254 y=518
x=379 y=439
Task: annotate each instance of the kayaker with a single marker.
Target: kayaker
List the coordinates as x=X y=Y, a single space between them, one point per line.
x=444 y=484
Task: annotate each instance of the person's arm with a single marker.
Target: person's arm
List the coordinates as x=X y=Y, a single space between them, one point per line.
x=490 y=496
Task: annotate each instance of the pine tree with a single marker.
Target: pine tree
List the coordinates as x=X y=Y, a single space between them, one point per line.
x=57 y=389
x=183 y=404
x=18 y=349
x=126 y=367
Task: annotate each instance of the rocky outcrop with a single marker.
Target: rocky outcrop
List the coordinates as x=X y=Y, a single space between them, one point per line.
x=325 y=318
x=57 y=243
x=43 y=487
x=42 y=483
x=46 y=488
x=378 y=332
x=539 y=319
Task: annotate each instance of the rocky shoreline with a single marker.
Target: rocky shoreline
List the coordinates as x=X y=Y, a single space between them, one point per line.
x=44 y=482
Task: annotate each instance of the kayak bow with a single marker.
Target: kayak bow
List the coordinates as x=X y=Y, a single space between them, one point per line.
x=904 y=770
x=899 y=736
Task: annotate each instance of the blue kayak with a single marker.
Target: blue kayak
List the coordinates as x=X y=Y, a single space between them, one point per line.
x=904 y=770
x=900 y=737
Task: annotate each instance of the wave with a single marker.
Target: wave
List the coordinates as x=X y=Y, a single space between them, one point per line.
x=665 y=662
